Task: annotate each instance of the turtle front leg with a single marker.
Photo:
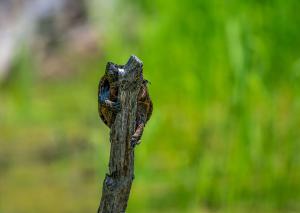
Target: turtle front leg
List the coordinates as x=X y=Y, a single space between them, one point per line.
x=136 y=137
x=104 y=100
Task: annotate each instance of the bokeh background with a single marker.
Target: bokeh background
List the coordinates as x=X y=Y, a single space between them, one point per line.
x=225 y=83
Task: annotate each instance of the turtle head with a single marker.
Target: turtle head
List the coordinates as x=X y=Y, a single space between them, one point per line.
x=145 y=82
x=111 y=71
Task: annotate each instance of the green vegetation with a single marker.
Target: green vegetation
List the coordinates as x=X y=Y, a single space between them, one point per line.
x=224 y=135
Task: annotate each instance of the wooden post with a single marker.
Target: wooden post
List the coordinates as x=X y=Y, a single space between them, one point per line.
x=117 y=184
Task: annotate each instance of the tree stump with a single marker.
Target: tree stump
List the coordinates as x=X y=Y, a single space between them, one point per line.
x=117 y=183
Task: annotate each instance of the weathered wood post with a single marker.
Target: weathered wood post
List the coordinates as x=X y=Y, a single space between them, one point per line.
x=117 y=184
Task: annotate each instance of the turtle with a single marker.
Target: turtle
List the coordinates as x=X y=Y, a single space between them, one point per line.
x=109 y=105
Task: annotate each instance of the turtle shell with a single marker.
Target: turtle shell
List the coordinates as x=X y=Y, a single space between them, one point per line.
x=144 y=105
x=105 y=113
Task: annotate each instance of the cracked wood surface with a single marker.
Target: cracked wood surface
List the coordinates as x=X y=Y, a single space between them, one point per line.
x=117 y=183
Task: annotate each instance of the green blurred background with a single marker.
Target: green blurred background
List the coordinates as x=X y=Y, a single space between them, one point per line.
x=225 y=84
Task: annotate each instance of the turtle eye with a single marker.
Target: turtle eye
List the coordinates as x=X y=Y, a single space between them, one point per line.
x=146 y=82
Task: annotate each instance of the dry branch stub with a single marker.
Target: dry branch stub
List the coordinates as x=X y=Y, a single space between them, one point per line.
x=117 y=183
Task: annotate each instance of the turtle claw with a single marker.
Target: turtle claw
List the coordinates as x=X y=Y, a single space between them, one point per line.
x=134 y=141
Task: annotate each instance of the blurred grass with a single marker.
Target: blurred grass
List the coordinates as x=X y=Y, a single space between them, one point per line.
x=224 y=133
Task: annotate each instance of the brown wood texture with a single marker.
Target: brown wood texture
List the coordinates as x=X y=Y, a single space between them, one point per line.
x=117 y=183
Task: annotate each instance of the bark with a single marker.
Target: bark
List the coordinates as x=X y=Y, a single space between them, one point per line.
x=117 y=184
